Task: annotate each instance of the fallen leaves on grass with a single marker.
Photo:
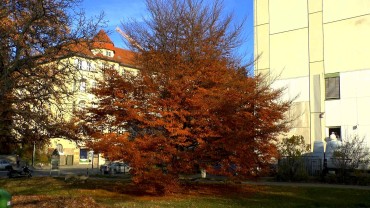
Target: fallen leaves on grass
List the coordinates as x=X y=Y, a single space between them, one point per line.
x=219 y=189
x=43 y=201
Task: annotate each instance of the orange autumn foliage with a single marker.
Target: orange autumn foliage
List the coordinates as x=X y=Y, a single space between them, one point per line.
x=192 y=106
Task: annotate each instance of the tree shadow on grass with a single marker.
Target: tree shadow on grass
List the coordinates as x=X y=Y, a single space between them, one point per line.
x=189 y=188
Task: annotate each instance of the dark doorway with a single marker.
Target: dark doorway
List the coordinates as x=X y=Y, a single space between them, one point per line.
x=337 y=132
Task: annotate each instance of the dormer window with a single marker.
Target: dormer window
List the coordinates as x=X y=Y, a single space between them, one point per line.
x=108 y=53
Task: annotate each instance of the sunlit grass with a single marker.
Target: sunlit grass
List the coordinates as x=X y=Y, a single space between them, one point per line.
x=119 y=193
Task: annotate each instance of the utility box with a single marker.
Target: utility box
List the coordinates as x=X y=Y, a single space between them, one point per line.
x=5 y=199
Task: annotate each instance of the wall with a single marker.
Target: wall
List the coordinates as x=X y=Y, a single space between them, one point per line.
x=297 y=42
x=352 y=110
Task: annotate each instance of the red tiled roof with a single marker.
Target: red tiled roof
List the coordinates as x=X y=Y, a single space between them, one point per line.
x=102 y=41
x=102 y=37
x=122 y=56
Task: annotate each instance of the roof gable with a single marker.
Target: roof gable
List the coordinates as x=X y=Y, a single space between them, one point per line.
x=102 y=41
x=102 y=37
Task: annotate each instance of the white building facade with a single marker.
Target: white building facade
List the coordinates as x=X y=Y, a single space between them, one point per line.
x=320 y=51
x=102 y=54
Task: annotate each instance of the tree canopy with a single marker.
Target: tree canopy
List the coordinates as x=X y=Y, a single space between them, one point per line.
x=34 y=43
x=192 y=106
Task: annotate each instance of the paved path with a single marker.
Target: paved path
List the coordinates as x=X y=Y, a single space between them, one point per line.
x=84 y=169
x=63 y=170
x=320 y=185
x=268 y=182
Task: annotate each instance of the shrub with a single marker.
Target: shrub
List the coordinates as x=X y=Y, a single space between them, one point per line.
x=351 y=154
x=291 y=166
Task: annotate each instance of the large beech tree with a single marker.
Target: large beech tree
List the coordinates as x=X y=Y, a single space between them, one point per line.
x=192 y=106
x=36 y=37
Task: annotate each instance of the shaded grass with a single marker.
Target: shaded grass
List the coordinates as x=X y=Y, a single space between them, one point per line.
x=120 y=193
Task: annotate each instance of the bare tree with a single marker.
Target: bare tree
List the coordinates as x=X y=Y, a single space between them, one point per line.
x=186 y=27
x=352 y=153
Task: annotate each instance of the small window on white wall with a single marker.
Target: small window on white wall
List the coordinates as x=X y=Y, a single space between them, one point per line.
x=332 y=86
x=78 y=64
x=93 y=84
x=83 y=85
x=90 y=66
x=104 y=66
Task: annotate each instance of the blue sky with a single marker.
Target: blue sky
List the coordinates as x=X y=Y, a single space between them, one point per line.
x=117 y=11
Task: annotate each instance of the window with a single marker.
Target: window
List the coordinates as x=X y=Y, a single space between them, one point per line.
x=104 y=66
x=83 y=85
x=94 y=105
x=332 y=86
x=79 y=64
x=83 y=154
x=90 y=66
x=82 y=104
x=120 y=130
x=108 y=53
x=60 y=148
x=73 y=105
x=93 y=84
x=337 y=131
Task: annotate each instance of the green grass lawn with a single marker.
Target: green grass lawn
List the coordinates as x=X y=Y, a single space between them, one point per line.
x=54 y=192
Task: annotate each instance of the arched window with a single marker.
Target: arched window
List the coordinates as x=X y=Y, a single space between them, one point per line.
x=60 y=148
x=82 y=104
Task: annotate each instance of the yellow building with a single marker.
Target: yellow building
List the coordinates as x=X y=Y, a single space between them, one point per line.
x=320 y=51
x=103 y=54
